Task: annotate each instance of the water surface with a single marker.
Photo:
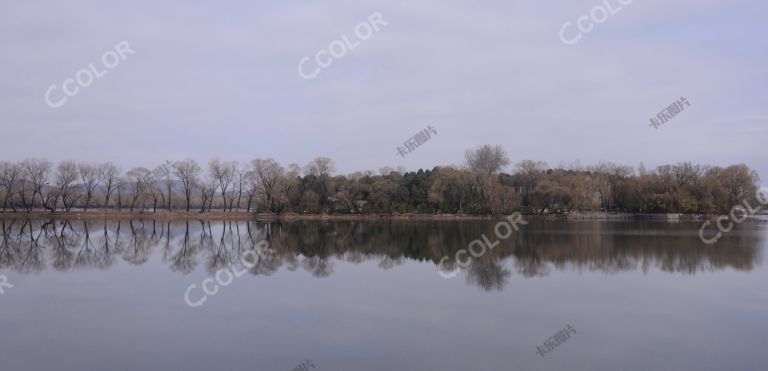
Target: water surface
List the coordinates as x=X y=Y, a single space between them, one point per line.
x=110 y=295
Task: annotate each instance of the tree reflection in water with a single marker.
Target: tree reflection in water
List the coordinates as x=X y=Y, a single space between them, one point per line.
x=29 y=246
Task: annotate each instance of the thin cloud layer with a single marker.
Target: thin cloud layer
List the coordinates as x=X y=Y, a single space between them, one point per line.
x=220 y=80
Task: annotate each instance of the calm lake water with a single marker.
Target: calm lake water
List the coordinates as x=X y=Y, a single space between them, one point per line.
x=113 y=295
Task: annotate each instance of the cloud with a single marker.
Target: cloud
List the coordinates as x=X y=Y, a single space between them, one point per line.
x=220 y=80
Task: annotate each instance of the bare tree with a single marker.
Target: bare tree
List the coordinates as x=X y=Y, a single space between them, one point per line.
x=320 y=169
x=166 y=170
x=486 y=159
x=66 y=176
x=109 y=174
x=35 y=174
x=139 y=180
x=242 y=183
x=223 y=173
x=188 y=173
x=267 y=173
x=320 y=166
x=251 y=187
x=289 y=187
x=235 y=168
x=91 y=177
x=10 y=175
x=155 y=191
x=120 y=187
x=207 y=191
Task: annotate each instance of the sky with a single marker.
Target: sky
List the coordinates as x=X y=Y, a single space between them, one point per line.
x=221 y=80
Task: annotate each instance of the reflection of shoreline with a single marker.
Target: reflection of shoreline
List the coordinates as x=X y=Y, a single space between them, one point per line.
x=100 y=214
x=34 y=245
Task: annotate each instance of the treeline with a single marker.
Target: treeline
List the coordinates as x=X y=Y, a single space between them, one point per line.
x=478 y=187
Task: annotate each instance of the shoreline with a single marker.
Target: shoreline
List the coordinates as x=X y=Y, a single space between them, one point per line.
x=243 y=215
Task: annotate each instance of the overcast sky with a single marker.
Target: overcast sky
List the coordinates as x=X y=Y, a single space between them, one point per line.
x=220 y=79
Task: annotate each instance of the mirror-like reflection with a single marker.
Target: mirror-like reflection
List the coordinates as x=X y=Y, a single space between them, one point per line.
x=368 y=295
x=30 y=246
